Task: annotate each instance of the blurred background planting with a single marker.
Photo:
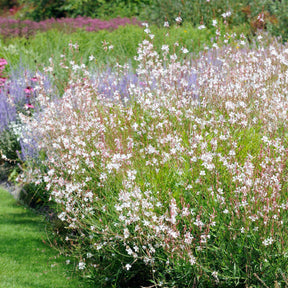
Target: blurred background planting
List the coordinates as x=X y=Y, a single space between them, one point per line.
x=155 y=12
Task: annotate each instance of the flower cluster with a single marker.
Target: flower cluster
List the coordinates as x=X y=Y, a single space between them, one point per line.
x=16 y=96
x=26 y=28
x=3 y=63
x=166 y=164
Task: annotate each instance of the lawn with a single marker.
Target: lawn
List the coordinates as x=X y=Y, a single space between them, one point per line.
x=25 y=260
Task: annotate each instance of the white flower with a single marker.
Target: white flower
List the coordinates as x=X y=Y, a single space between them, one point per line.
x=178 y=19
x=89 y=255
x=214 y=22
x=128 y=266
x=126 y=233
x=268 y=241
x=165 y=48
x=260 y=17
x=81 y=265
x=201 y=27
x=192 y=260
x=227 y=14
x=166 y=24
x=62 y=216
x=91 y=58
x=185 y=50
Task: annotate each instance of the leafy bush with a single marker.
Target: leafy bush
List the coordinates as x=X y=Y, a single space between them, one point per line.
x=105 y=9
x=196 y=12
x=273 y=13
x=178 y=170
x=155 y=12
x=279 y=9
x=43 y=9
x=9 y=143
x=7 y=4
x=40 y=10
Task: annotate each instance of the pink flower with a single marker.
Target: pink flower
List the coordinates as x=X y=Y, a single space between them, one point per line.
x=27 y=106
x=2 y=81
x=3 y=62
x=28 y=90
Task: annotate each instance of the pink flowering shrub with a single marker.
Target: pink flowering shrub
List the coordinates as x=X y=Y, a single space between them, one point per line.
x=181 y=173
x=27 y=28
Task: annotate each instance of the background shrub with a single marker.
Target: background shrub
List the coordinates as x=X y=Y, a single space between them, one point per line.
x=278 y=27
x=11 y=28
x=155 y=12
x=105 y=9
x=5 y=5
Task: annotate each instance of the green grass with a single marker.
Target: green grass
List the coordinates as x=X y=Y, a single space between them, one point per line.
x=25 y=261
x=35 y=52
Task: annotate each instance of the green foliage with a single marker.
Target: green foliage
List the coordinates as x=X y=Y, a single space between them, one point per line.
x=279 y=27
x=9 y=144
x=243 y=13
x=44 y=9
x=194 y=12
x=7 y=4
x=104 y=9
x=35 y=196
x=155 y=12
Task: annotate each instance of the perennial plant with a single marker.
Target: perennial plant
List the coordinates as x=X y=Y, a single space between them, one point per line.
x=178 y=169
